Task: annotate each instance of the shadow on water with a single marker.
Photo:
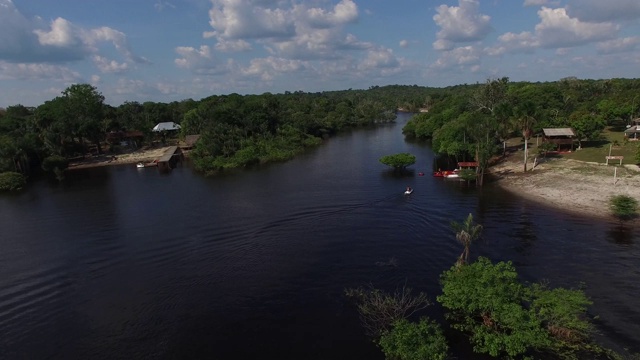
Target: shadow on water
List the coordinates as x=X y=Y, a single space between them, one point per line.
x=620 y=234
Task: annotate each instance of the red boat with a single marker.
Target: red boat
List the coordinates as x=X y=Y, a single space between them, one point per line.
x=445 y=173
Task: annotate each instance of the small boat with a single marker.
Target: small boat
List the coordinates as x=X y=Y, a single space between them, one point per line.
x=140 y=165
x=408 y=192
x=446 y=173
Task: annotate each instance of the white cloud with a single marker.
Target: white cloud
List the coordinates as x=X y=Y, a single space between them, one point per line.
x=11 y=71
x=269 y=68
x=286 y=28
x=380 y=58
x=109 y=66
x=25 y=40
x=555 y=30
x=199 y=61
x=619 y=45
x=460 y=57
x=232 y=45
x=241 y=19
x=404 y=43
x=62 y=34
x=604 y=10
x=462 y=23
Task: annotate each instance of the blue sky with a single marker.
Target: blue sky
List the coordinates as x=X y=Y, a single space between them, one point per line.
x=170 y=50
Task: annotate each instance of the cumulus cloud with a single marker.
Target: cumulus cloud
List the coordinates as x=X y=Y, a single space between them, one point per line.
x=199 y=61
x=270 y=67
x=600 y=11
x=25 y=40
x=619 y=45
x=460 y=57
x=109 y=66
x=555 y=30
x=463 y=23
x=286 y=28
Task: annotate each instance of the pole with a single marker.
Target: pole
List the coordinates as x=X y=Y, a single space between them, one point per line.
x=610 y=145
x=615 y=174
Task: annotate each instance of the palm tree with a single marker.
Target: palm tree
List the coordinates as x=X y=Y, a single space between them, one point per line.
x=466 y=233
x=526 y=119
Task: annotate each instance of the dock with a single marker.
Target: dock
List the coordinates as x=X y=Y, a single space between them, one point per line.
x=169 y=159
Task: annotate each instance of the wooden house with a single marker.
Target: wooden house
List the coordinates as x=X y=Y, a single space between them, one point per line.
x=561 y=137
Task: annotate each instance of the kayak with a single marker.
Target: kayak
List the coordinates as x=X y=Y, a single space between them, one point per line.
x=408 y=192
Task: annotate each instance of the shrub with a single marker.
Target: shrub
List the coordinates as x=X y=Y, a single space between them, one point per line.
x=12 y=181
x=414 y=341
x=624 y=207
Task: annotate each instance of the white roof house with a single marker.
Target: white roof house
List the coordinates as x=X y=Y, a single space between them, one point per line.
x=166 y=126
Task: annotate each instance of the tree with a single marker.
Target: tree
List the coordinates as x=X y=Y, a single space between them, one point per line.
x=414 y=341
x=398 y=161
x=505 y=317
x=486 y=301
x=85 y=105
x=623 y=207
x=466 y=233
x=11 y=181
x=526 y=118
x=379 y=310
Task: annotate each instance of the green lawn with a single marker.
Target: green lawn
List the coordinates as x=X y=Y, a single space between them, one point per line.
x=596 y=151
x=592 y=151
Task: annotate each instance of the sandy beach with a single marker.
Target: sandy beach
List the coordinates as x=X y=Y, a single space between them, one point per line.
x=575 y=186
x=141 y=155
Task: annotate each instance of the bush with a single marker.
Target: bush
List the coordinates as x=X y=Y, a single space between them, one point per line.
x=12 y=181
x=624 y=207
x=398 y=161
x=414 y=341
x=56 y=164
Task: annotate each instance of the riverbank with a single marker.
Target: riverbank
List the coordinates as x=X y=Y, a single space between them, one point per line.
x=575 y=186
x=146 y=154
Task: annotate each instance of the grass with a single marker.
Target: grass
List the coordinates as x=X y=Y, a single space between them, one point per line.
x=592 y=151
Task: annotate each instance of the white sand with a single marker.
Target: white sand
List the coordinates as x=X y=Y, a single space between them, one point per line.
x=570 y=185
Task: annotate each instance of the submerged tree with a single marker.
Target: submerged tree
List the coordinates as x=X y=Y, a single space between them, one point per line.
x=466 y=233
x=379 y=310
x=398 y=161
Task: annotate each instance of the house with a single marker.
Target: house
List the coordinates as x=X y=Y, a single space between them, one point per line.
x=631 y=133
x=166 y=126
x=559 y=137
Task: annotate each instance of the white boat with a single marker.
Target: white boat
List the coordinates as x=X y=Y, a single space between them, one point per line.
x=140 y=165
x=408 y=192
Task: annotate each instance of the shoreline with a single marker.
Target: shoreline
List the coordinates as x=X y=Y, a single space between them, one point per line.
x=571 y=186
x=141 y=155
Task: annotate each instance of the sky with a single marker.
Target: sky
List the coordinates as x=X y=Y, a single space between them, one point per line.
x=171 y=50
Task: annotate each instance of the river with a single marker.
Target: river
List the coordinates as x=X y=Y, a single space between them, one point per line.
x=122 y=263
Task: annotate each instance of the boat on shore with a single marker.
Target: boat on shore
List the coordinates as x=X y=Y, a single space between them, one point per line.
x=446 y=173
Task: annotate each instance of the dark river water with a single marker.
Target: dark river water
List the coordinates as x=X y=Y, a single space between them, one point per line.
x=124 y=263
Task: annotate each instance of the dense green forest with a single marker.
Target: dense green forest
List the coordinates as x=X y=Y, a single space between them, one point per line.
x=238 y=130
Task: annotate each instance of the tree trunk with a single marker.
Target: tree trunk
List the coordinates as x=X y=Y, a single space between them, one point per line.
x=525 y=153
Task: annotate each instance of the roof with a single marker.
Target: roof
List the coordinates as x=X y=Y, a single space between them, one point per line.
x=633 y=129
x=166 y=126
x=558 y=132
